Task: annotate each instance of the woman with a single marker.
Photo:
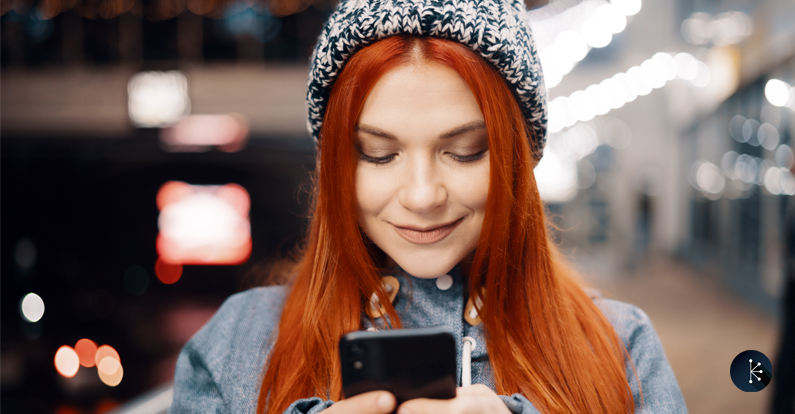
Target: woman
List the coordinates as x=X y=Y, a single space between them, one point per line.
x=429 y=117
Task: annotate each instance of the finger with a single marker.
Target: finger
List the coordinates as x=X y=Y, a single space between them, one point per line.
x=374 y=402
x=429 y=406
x=464 y=405
x=474 y=390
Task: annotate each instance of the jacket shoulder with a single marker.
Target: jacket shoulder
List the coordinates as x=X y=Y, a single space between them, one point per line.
x=221 y=366
x=245 y=319
x=648 y=368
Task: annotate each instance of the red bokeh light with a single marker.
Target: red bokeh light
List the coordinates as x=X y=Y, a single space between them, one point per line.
x=87 y=351
x=172 y=192
x=105 y=406
x=168 y=273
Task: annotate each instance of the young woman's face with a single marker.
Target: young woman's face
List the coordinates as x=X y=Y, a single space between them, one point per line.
x=423 y=174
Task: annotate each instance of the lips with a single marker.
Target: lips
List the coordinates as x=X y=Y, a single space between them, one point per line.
x=427 y=235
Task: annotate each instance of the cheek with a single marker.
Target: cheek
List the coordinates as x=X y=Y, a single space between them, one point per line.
x=472 y=187
x=373 y=192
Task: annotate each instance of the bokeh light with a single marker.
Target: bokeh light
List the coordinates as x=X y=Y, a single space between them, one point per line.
x=195 y=133
x=736 y=128
x=724 y=29
x=777 y=92
x=203 y=224
x=108 y=365
x=110 y=372
x=768 y=136
x=87 y=352
x=750 y=130
x=709 y=178
x=686 y=67
x=106 y=351
x=628 y=7
x=556 y=177
x=703 y=74
x=727 y=163
x=784 y=157
x=66 y=361
x=31 y=307
x=157 y=99
x=168 y=273
x=593 y=26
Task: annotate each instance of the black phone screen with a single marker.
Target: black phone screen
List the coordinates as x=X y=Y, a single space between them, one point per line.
x=409 y=363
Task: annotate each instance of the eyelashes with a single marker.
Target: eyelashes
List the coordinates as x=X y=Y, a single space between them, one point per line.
x=390 y=157
x=469 y=158
x=377 y=160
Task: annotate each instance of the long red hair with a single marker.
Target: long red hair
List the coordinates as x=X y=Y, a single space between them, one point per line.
x=545 y=337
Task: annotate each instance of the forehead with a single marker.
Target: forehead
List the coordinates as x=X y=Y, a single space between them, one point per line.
x=420 y=102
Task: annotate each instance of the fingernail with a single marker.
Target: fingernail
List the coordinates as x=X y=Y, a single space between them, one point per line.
x=403 y=410
x=385 y=402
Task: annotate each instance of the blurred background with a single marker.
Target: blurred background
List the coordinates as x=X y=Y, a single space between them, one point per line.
x=155 y=160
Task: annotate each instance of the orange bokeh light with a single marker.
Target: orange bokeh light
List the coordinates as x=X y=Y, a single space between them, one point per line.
x=87 y=351
x=168 y=273
x=66 y=361
x=108 y=365
x=106 y=351
x=113 y=379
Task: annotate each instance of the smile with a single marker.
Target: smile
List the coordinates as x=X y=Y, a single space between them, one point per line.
x=426 y=236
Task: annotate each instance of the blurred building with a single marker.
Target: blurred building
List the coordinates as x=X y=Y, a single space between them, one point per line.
x=671 y=126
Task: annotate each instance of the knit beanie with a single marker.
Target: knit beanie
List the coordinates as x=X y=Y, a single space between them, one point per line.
x=496 y=30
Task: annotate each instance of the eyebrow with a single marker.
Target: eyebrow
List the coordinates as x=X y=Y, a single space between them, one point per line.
x=459 y=130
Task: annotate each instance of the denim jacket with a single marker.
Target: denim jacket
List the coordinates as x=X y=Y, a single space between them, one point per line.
x=220 y=369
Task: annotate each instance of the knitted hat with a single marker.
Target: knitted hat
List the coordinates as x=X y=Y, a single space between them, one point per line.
x=496 y=30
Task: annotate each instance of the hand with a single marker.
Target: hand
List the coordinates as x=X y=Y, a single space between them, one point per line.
x=373 y=402
x=475 y=399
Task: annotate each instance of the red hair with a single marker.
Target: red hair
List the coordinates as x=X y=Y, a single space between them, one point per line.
x=545 y=337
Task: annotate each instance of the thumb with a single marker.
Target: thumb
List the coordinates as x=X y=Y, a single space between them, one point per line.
x=374 y=402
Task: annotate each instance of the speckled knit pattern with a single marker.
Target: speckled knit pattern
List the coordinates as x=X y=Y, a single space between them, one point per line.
x=496 y=30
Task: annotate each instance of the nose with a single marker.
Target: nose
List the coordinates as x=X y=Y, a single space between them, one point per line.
x=422 y=189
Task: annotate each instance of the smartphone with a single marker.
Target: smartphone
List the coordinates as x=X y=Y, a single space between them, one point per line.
x=409 y=363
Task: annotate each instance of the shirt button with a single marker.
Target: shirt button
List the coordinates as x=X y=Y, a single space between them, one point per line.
x=444 y=282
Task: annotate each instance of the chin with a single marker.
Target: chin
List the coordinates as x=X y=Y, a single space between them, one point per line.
x=426 y=266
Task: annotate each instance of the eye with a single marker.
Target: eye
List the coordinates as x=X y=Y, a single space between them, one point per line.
x=469 y=158
x=377 y=160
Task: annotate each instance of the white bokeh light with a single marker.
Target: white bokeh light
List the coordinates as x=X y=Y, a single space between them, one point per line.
x=628 y=7
x=556 y=177
x=32 y=307
x=784 y=157
x=612 y=18
x=557 y=114
x=667 y=63
x=768 y=136
x=778 y=92
x=157 y=99
x=595 y=33
x=709 y=178
x=685 y=66
x=703 y=75
x=637 y=81
x=629 y=94
x=654 y=73
x=572 y=45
